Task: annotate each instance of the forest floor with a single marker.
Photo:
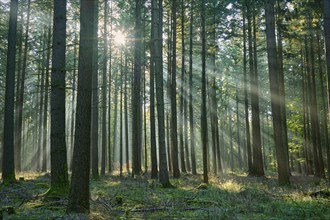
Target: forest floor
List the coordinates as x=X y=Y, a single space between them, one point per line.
x=231 y=196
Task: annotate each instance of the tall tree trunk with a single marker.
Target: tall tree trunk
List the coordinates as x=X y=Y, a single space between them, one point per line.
x=246 y=99
x=41 y=101
x=104 y=88
x=174 y=129
x=203 y=107
x=115 y=121
x=283 y=172
x=282 y=85
x=136 y=99
x=126 y=115
x=256 y=141
x=326 y=8
x=59 y=168
x=95 y=101
x=158 y=58
x=153 y=147
x=110 y=147
x=8 y=166
x=239 y=151
x=121 y=118
x=19 y=131
x=46 y=104
x=182 y=97
x=324 y=104
x=73 y=100
x=191 y=92
x=79 y=189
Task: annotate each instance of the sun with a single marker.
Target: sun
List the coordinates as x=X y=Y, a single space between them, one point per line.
x=119 y=38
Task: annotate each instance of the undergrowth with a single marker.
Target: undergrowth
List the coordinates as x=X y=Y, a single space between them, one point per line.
x=231 y=196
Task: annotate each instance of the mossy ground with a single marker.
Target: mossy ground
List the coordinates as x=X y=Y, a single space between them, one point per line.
x=233 y=196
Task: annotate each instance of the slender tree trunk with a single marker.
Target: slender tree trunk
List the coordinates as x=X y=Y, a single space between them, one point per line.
x=239 y=151
x=257 y=164
x=246 y=99
x=136 y=99
x=282 y=86
x=326 y=8
x=204 y=138
x=283 y=172
x=59 y=168
x=104 y=89
x=174 y=129
x=41 y=101
x=121 y=118
x=115 y=126
x=126 y=116
x=8 y=166
x=153 y=147
x=158 y=52
x=73 y=101
x=18 y=135
x=95 y=101
x=110 y=160
x=46 y=104
x=191 y=92
x=324 y=104
x=181 y=119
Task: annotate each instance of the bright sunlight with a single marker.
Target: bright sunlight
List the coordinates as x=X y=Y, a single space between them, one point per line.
x=119 y=38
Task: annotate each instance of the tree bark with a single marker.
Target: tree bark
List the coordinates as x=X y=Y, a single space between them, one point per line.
x=191 y=92
x=283 y=172
x=79 y=189
x=174 y=128
x=136 y=98
x=203 y=107
x=158 y=52
x=59 y=169
x=95 y=100
x=8 y=166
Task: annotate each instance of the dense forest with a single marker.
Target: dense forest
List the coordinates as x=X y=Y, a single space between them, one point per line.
x=164 y=109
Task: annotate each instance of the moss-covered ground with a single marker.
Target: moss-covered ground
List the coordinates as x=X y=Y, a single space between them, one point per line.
x=234 y=196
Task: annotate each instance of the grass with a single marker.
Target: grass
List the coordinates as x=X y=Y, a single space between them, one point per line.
x=231 y=196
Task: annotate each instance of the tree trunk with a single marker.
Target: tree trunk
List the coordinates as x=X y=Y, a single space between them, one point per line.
x=8 y=166
x=283 y=172
x=79 y=189
x=95 y=101
x=282 y=86
x=174 y=129
x=181 y=118
x=59 y=169
x=158 y=58
x=191 y=92
x=204 y=138
x=136 y=98
x=324 y=104
x=110 y=160
x=246 y=99
x=153 y=147
x=126 y=116
x=121 y=118
x=104 y=89
x=41 y=101
x=257 y=164
x=46 y=104
x=18 y=133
